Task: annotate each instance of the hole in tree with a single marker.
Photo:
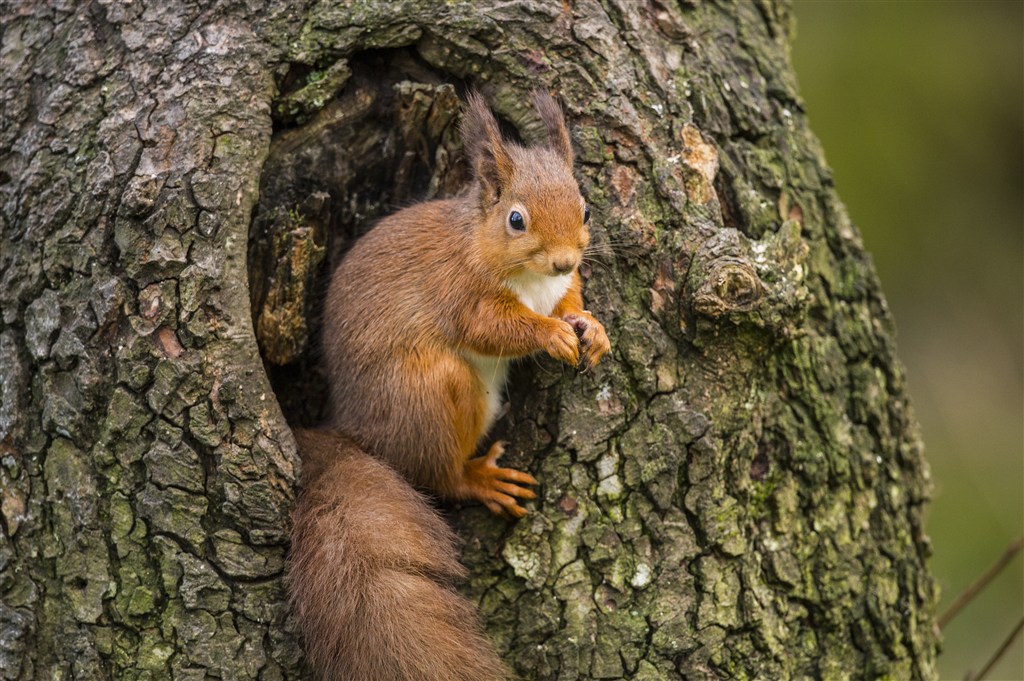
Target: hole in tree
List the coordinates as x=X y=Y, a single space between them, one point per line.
x=387 y=138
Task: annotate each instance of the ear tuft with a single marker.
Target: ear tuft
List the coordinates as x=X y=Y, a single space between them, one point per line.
x=554 y=121
x=481 y=139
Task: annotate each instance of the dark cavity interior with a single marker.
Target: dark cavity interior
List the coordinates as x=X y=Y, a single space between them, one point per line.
x=353 y=142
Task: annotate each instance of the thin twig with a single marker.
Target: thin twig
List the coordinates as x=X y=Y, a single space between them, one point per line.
x=973 y=590
x=998 y=654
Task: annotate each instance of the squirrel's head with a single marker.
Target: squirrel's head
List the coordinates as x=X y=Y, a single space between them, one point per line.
x=534 y=218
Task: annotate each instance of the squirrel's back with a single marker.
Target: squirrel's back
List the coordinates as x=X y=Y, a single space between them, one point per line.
x=390 y=343
x=372 y=574
x=391 y=288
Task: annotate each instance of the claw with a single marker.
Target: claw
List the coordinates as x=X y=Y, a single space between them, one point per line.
x=593 y=341
x=497 y=488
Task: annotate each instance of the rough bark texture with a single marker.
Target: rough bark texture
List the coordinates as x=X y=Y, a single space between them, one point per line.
x=737 y=493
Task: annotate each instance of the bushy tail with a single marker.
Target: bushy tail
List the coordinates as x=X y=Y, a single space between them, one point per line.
x=371 y=575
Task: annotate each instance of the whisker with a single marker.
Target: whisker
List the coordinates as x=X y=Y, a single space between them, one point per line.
x=603 y=266
x=600 y=257
x=611 y=248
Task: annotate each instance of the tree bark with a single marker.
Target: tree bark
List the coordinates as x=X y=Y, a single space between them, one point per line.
x=737 y=492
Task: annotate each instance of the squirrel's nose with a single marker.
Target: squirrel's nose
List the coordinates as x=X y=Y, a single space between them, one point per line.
x=563 y=265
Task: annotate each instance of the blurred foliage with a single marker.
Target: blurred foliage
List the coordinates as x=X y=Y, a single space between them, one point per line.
x=920 y=110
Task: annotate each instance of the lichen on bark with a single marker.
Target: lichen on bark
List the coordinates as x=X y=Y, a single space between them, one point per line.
x=736 y=493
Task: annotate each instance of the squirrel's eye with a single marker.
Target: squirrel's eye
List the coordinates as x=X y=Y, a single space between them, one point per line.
x=516 y=221
x=586 y=214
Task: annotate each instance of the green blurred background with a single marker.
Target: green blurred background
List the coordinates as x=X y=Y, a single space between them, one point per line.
x=920 y=109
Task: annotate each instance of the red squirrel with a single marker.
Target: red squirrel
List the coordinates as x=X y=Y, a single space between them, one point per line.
x=421 y=320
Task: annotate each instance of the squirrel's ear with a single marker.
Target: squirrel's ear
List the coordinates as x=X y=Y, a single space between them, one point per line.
x=481 y=138
x=554 y=121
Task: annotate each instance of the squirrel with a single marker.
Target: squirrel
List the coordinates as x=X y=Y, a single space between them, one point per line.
x=421 y=319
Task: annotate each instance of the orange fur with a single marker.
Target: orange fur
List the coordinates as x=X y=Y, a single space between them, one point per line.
x=420 y=321
x=371 y=576
x=593 y=339
x=429 y=284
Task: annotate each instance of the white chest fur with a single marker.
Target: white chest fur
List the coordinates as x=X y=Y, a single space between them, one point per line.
x=540 y=294
x=492 y=372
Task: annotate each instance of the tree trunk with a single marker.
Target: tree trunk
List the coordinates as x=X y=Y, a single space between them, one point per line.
x=737 y=492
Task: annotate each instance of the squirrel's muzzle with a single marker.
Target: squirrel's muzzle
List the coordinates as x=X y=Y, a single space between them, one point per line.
x=563 y=263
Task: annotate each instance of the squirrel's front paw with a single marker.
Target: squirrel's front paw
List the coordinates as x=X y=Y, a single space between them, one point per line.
x=594 y=343
x=562 y=343
x=495 y=487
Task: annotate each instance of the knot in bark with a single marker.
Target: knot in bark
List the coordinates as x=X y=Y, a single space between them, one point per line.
x=731 y=284
x=751 y=282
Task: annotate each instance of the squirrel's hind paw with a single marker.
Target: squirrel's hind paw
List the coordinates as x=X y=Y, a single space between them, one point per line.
x=495 y=487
